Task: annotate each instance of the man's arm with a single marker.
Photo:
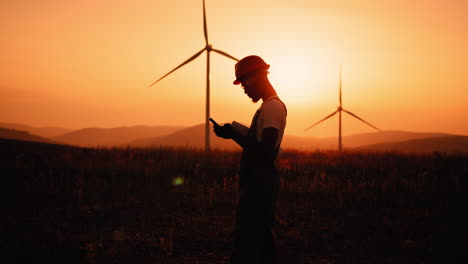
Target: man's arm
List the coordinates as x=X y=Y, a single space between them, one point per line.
x=267 y=146
x=239 y=139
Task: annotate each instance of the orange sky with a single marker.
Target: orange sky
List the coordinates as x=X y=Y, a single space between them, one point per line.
x=88 y=63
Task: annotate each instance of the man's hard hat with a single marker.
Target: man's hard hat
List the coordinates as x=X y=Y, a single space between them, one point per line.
x=248 y=65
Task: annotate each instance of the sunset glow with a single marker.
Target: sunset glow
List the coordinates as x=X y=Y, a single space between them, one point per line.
x=247 y=131
x=79 y=64
x=294 y=78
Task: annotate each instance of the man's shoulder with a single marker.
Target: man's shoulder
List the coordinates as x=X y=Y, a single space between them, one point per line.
x=274 y=104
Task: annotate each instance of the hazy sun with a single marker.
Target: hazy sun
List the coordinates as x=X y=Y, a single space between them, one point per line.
x=293 y=78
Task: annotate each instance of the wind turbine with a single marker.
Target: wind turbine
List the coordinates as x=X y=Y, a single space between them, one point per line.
x=339 y=110
x=209 y=48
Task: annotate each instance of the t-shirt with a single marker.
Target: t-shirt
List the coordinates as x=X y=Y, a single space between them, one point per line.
x=272 y=114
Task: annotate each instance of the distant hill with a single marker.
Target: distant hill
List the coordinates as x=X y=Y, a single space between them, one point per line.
x=449 y=144
x=195 y=137
x=353 y=141
x=178 y=136
x=187 y=137
x=46 y=132
x=307 y=143
x=91 y=137
x=6 y=133
x=386 y=140
x=383 y=137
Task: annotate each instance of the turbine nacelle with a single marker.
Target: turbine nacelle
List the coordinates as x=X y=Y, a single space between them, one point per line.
x=209 y=47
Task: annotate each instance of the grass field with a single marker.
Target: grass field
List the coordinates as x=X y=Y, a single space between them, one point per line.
x=81 y=205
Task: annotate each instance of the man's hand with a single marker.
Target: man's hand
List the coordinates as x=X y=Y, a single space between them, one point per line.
x=225 y=131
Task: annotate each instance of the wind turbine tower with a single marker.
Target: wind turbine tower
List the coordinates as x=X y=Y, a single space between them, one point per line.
x=339 y=110
x=209 y=48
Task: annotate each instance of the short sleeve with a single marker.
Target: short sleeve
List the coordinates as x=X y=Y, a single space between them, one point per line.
x=274 y=115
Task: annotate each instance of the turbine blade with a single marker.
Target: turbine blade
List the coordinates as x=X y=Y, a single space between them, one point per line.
x=185 y=62
x=361 y=119
x=205 y=29
x=322 y=120
x=225 y=54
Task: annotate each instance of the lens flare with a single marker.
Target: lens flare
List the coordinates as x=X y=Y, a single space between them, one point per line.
x=178 y=181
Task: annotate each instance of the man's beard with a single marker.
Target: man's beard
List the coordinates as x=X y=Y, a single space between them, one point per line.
x=255 y=98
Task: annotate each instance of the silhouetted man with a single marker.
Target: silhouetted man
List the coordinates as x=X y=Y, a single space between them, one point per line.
x=259 y=183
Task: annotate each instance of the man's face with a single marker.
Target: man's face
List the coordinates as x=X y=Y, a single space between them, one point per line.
x=249 y=83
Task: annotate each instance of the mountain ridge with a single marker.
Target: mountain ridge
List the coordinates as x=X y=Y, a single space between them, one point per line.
x=95 y=136
x=194 y=136
x=6 y=133
x=46 y=132
x=454 y=144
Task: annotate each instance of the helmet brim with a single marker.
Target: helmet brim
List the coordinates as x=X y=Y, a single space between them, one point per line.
x=263 y=68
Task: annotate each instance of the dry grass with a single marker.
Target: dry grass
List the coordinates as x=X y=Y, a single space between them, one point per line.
x=101 y=205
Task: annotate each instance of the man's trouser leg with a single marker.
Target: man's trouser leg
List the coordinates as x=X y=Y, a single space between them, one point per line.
x=254 y=241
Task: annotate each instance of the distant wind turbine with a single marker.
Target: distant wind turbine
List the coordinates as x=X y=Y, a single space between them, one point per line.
x=340 y=108
x=209 y=48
